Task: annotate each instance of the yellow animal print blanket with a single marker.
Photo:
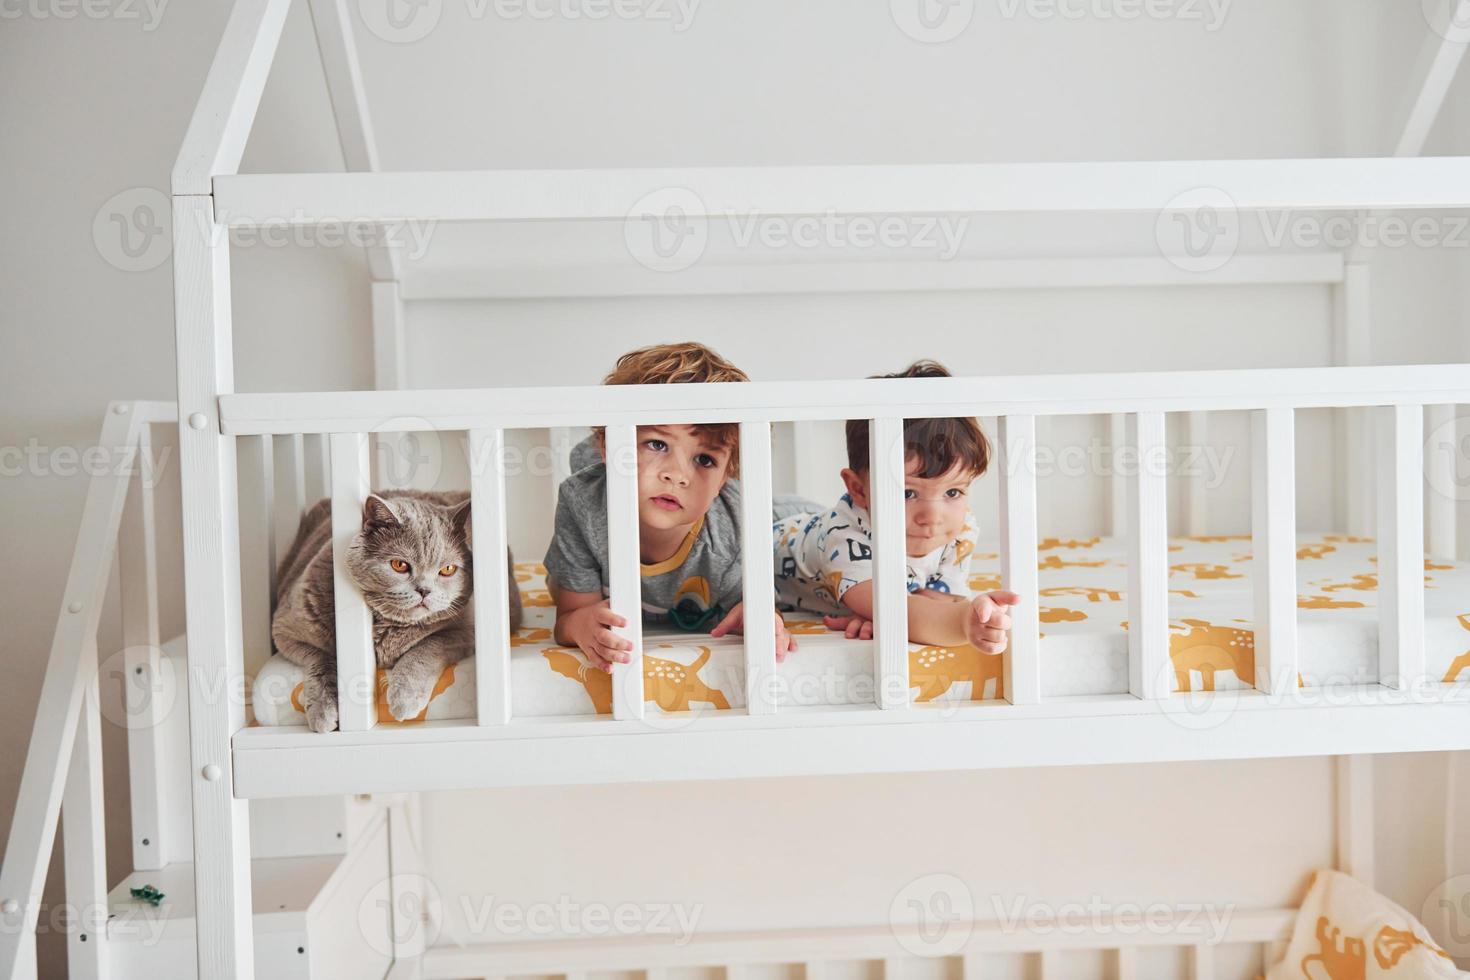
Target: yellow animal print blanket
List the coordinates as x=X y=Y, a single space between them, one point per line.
x=1347 y=931
x=1084 y=647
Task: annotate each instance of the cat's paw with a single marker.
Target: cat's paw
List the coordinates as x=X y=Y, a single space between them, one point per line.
x=408 y=694
x=321 y=711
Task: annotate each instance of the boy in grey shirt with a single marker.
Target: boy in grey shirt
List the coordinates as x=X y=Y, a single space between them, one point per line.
x=688 y=521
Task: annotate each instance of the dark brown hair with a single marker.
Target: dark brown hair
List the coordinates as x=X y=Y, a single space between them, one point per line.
x=686 y=363
x=939 y=444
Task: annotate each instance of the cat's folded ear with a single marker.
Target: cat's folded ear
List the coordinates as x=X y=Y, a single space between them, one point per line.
x=376 y=514
x=459 y=519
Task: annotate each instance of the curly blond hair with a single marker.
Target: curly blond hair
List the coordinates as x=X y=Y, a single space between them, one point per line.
x=685 y=363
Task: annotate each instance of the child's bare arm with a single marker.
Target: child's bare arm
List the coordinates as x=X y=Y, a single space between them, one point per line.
x=584 y=620
x=936 y=618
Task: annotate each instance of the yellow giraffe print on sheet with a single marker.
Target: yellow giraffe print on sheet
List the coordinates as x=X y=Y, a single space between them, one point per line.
x=985 y=581
x=1391 y=945
x=1060 y=614
x=385 y=717
x=1203 y=571
x=530 y=636
x=1051 y=544
x=1314 y=552
x=1208 y=648
x=933 y=670
x=1462 y=662
x=1341 y=957
x=1326 y=602
x=668 y=683
x=1217 y=538
x=1090 y=594
x=1054 y=562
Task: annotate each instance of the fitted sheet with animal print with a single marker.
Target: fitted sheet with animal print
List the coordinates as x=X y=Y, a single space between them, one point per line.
x=1084 y=647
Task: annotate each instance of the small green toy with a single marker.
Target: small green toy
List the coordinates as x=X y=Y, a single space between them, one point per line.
x=147 y=894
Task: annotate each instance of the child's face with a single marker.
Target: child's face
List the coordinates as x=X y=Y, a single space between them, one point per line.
x=935 y=507
x=679 y=475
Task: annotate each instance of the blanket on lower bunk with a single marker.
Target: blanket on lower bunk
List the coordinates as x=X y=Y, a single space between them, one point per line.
x=1084 y=646
x=1346 y=929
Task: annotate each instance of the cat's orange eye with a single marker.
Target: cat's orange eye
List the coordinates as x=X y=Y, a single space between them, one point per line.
x=448 y=570
x=398 y=565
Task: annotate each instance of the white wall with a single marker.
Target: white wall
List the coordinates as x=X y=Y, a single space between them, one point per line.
x=96 y=107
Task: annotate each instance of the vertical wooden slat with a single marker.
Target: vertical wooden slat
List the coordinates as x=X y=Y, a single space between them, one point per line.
x=1273 y=547
x=890 y=562
x=1352 y=309
x=1355 y=847
x=1201 y=962
x=288 y=471
x=1148 y=561
x=1401 y=546
x=1442 y=536
x=83 y=835
x=1018 y=561
x=1196 y=507
x=316 y=466
x=257 y=541
x=562 y=442
x=758 y=567
x=1118 y=483
x=624 y=575
x=492 y=585
x=207 y=472
x=142 y=678
x=356 y=662
x=1125 y=963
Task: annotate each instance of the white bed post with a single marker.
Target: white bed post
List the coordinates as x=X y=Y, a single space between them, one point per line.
x=758 y=567
x=1401 y=547
x=624 y=574
x=142 y=663
x=1273 y=545
x=389 y=367
x=288 y=472
x=1018 y=562
x=492 y=583
x=890 y=586
x=213 y=146
x=1355 y=817
x=357 y=666
x=1148 y=560
x=211 y=588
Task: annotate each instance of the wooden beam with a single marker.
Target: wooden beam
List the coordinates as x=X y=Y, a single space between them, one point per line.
x=220 y=125
x=1439 y=61
x=1339 y=183
x=333 y=27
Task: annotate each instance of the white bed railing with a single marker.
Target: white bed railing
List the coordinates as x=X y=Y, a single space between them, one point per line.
x=1398 y=395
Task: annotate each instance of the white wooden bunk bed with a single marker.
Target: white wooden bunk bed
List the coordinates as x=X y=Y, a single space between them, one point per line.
x=257 y=459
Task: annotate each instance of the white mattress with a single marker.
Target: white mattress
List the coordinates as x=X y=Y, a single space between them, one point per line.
x=1084 y=648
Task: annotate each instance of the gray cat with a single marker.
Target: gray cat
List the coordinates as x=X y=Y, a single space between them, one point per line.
x=411 y=560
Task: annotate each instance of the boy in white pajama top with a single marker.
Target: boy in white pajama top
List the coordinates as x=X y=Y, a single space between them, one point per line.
x=824 y=560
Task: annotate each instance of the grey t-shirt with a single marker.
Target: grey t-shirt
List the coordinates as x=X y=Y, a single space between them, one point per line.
x=692 y=590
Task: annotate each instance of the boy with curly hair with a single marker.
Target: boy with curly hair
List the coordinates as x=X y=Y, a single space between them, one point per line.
x=688 y=520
